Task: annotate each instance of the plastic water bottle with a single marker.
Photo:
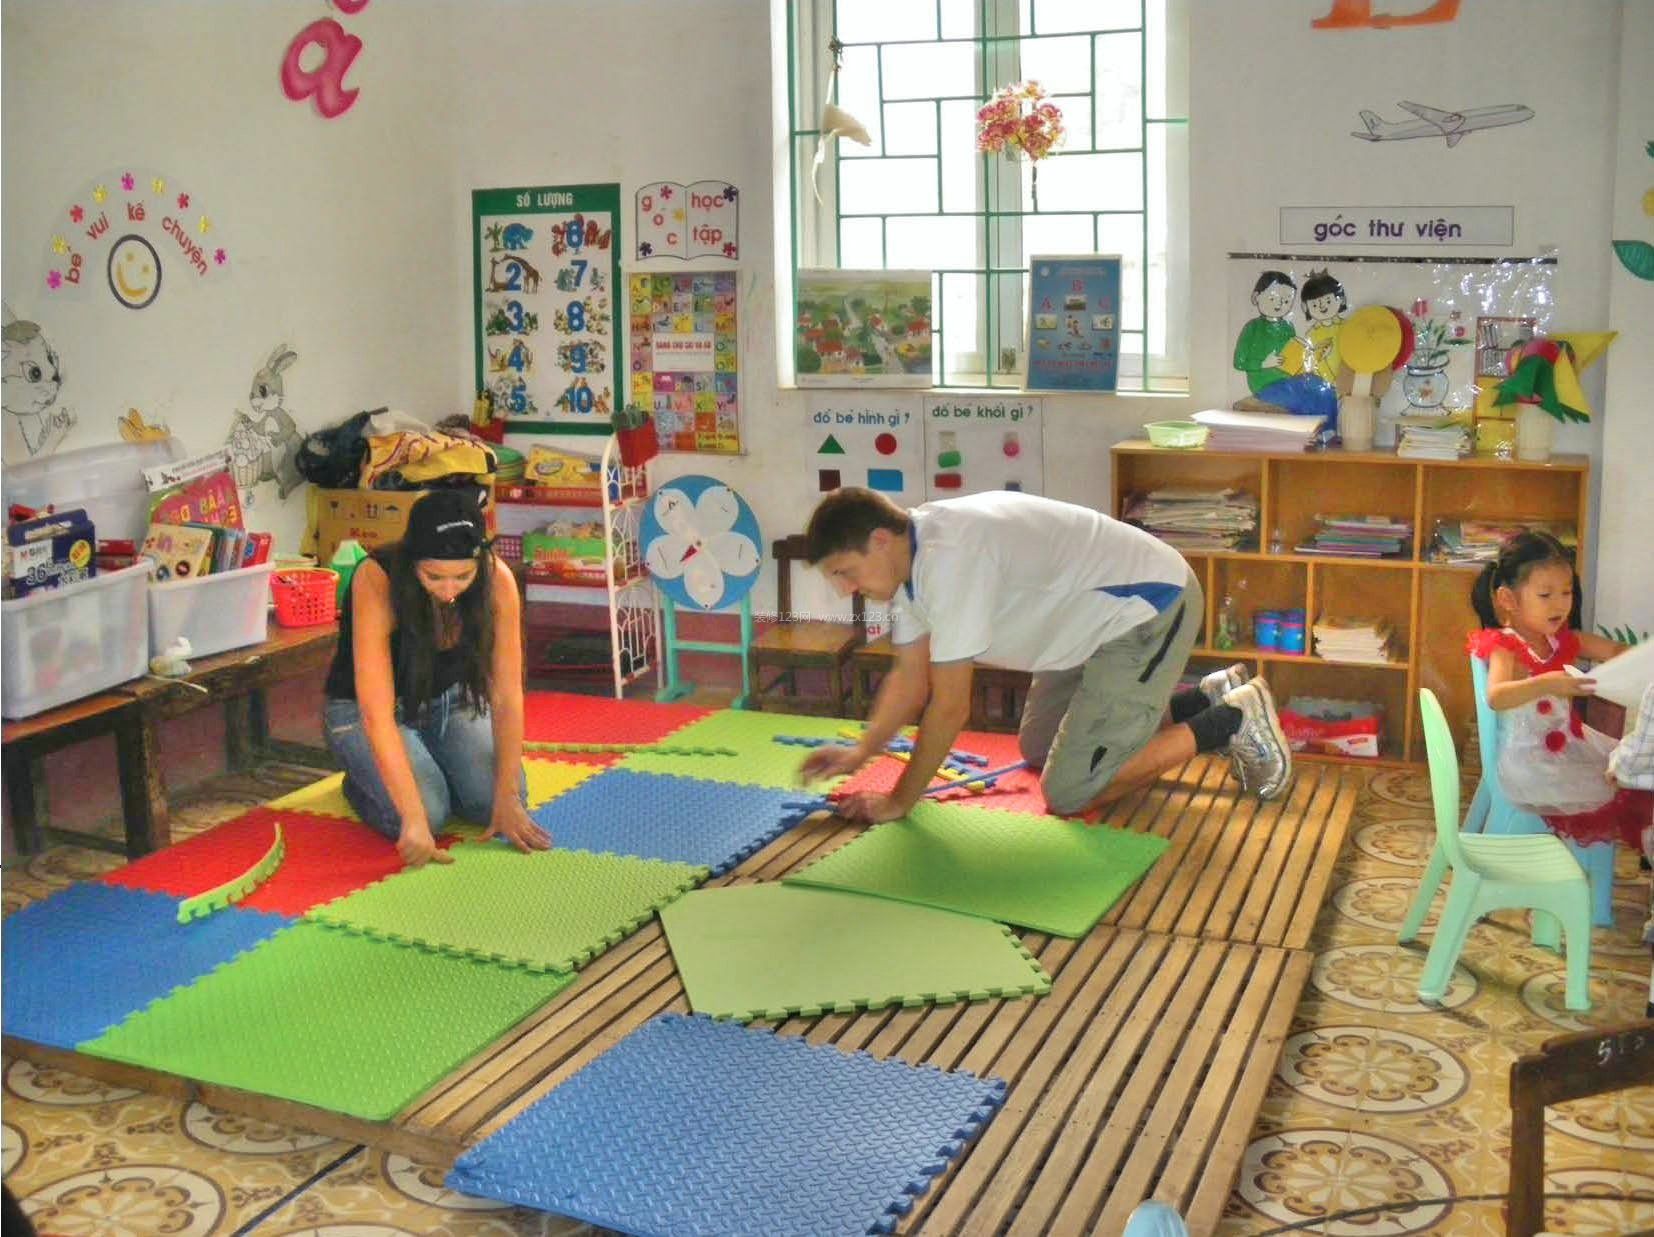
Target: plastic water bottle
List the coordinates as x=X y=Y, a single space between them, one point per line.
x=344 y=561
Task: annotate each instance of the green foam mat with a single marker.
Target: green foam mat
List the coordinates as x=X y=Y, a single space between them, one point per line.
x=549 y=910
x=759 y=759
x=330 y=1018
x=1037 y=871
x=779 y=951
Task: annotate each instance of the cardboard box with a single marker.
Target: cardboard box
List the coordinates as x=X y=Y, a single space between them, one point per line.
x=373 y=517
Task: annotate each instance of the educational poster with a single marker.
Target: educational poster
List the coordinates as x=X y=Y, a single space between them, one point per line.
x=863 y=329
x=684 y=358
x=975 y=443
x=546 y=266
x=867 y=439
x=702 y=220
x=1073 y=323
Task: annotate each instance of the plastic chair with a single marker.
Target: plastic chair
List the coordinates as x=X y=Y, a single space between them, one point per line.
x=1531 y=871
x=1491 y=812
x=1152 y=1219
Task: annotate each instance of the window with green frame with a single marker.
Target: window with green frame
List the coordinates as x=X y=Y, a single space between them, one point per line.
x=914 y=73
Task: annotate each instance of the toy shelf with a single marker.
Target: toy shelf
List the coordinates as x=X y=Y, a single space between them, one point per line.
x=1427 y=604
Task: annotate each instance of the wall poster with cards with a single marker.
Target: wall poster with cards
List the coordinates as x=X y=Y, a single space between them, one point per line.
x=546 y=264
x=685 y=357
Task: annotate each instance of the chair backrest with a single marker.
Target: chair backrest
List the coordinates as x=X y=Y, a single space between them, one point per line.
x=1444 y=775
x=1487 y=718
x=790 y=550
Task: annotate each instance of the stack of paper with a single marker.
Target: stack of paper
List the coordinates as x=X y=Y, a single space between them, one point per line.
x=1196 y=521
x=1258 y=431
x=1467 y=542
x=1364 y=641
x=1443 y=439
x=1360 y=536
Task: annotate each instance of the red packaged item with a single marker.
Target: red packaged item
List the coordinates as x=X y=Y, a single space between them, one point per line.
x=1333 y=727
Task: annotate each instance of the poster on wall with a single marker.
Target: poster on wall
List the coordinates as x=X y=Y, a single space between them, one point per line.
x=863 y=329
x=685 y=358
x=546 y=264
x=975 y=443
x=868 y=439
x=1073 y=323
x=702 y=220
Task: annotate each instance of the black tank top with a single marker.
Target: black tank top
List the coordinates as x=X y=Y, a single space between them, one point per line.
x=341 y=675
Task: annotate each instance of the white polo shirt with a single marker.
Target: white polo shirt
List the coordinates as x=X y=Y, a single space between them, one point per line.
x=1028 y=583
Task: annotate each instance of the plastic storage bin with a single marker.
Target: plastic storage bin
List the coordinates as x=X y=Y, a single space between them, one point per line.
x=214 y=613
x=78 y=640
x=107 y=480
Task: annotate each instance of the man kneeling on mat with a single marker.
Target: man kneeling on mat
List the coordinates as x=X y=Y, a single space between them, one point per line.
x=1101 y=613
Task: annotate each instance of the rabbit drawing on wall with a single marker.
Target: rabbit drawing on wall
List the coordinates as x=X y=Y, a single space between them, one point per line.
x=262 y=446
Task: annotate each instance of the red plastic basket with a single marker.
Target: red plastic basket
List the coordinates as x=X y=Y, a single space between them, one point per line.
x=305 y=598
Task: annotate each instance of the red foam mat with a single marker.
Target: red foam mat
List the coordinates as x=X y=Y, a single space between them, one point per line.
x=327 y=857
x=1013 y=792
x=560 y=717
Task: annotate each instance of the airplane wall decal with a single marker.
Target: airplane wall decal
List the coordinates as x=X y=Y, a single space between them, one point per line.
x=1433 y=122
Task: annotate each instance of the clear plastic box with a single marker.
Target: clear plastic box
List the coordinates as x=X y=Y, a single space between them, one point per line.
x=214 y=613
x=107 y=480
x=64 y=643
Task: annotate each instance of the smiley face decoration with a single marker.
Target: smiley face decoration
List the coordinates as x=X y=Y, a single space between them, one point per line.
x=131 y=233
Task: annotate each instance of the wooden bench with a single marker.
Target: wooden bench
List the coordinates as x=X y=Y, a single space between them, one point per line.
x=132 y=713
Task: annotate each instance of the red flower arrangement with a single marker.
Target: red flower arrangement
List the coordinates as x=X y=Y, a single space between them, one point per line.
x=1019 y=120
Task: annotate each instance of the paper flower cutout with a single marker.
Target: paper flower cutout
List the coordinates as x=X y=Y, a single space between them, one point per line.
x=59 y=245
x=205 y=225
x=220 y=257
x=666 y=193
x=54 y=280
x=699 y=544
x=76 y=214
x=158 y=185
x=99 y=194
x=729 y=249
x=645 y=249
x=730 y=193
x=127 y=181
x=183 y=201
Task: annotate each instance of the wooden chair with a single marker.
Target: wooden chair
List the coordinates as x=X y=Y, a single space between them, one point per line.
x=791 y=645
x=997 y=695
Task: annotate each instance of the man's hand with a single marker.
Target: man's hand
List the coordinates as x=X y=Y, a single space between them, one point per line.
x=869 y=807
x=831 y=761
x=417 y=847
x=512 y=822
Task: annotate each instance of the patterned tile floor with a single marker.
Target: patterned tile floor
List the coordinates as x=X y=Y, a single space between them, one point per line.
x=1378 y=1102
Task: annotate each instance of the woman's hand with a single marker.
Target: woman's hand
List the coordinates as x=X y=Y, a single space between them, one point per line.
x=831 y=761
x=417 y=847
x=868 y=807
x=1561 y=683
x=512 y=822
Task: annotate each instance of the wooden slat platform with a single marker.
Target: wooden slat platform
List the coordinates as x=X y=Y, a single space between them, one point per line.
x=1139 y=1075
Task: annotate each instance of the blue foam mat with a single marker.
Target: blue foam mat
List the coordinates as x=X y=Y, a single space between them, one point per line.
x=662 y=816
x=691 y=1126
x=81 y=961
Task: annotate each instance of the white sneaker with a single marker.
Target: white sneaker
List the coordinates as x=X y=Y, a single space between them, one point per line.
x=1219 y=683
x=1259 y=753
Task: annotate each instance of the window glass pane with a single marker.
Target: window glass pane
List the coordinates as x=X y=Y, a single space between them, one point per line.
x=1168 y=244
x=959 y=18
x=910 y=128
x=1090 y=182
x=1123 y=234
x=1055 y=234
x=887 y=186
x=1076 y=119
x=929 y=71
x=1167 y=31
x=861 y=244
x=1119 y=91
x=863 y=21
x=959 y=324
x=934 y=242
x=1006 y=328
x=1060 y=65
x=858 y=94
x=961 y=166
x=1055 y=16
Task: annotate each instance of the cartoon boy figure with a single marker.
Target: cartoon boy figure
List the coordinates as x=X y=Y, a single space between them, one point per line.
x=1262 y=345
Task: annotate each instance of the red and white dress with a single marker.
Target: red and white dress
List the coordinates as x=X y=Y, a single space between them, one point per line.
x=1551 y=763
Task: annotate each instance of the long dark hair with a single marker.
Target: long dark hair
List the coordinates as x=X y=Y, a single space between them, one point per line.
x=1517 y=559
x=415 y=612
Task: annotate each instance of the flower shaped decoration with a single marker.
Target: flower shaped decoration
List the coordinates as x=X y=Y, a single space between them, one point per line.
x=1019 y=120
x=699 y=543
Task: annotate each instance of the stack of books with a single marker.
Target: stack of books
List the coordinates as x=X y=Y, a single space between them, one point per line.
x=1258 y=431
x=1359 y=536
x=1362 y=641
x=1197 y=521
x=195 y=525
x=1430 y=438
x=1463 y=543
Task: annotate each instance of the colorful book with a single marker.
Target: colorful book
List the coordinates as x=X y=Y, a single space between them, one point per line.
x=180 y=551
x=212 y=498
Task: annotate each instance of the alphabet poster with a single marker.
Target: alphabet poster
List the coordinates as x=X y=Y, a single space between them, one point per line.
x=975 y=443
x=547 y=267
x=868 y=439
x=684 y=354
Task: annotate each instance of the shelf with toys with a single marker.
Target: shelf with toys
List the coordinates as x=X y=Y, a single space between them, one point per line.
x=1370 y=546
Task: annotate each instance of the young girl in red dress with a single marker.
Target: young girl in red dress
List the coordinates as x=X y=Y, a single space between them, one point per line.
x=1550 y=763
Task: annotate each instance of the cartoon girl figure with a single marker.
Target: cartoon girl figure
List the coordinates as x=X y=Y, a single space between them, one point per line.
x=1263 y=345
x=1325 y=305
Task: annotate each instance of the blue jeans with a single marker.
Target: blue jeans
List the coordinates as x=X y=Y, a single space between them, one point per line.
x=452 y=754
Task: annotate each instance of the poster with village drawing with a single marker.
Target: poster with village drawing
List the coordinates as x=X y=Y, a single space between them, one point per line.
x=863 y=328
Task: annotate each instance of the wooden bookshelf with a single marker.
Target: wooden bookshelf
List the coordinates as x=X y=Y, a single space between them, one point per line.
x=1427 y=603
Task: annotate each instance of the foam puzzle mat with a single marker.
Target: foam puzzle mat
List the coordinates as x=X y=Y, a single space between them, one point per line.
x=78 y=962
x=690 y=1126
x=661 y=816
x=1035 y=871
x=778 y=951
x=1013 y=792
x=563 y=717
x=549 y=910
x=546 y=780
x=330 y=1018
x=327 y=857
x=760 y=760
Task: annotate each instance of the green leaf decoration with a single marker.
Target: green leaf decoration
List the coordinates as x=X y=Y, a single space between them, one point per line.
x=1637 y=257
x=1650 y=149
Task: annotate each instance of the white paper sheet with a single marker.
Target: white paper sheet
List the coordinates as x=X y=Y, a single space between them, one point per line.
x=1623 y=679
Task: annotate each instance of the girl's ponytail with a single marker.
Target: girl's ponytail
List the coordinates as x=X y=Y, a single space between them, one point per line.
x=1481 y=595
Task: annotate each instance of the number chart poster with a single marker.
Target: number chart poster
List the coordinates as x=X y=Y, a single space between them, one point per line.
x=868 y=439
x=547 y=265
x=1073 y=323
x=975 y=443
x=684 y=358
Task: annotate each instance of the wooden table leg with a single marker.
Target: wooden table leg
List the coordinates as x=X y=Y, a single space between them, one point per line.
x=143 y=786
x=26 y=788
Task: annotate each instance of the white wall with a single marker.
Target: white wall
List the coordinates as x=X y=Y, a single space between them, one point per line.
x=351 y=235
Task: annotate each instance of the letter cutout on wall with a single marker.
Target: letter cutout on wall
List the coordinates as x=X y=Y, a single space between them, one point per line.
x=326 y=82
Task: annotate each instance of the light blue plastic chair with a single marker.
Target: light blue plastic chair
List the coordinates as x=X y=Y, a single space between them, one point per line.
x=1490 y=812
x=1152 y=1219
x=1528 y=872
